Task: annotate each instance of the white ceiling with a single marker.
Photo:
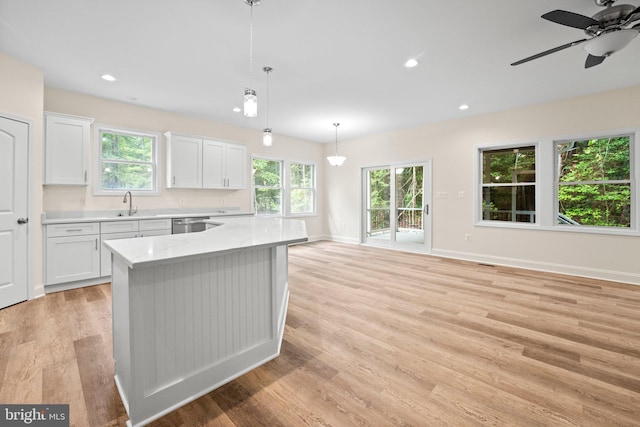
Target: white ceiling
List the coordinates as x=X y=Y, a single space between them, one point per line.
x=333 y=60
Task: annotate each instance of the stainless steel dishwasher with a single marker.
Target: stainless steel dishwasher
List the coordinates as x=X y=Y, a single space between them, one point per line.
x=188 y=225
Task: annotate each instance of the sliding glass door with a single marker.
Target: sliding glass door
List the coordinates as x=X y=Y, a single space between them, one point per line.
x=396 y=201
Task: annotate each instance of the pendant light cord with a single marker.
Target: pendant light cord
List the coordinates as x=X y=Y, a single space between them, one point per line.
x=336 y=125
x=251 y=45
x=268 y=98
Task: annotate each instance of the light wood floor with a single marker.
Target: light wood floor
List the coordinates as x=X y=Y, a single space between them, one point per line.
x=373 y=338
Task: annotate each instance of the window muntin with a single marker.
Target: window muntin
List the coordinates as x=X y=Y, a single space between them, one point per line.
x=268 y=188
x=508 y=184
x=594 y=182
x=302 y=188
x=126 y=161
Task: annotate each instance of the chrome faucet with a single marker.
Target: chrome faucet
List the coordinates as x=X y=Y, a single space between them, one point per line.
x=131 y=210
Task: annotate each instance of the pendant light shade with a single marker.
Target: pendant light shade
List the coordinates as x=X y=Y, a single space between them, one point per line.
x=336 y=160
x=250 y=103
x=267 y=136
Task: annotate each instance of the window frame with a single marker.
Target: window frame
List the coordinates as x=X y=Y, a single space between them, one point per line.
x=286 y=187
x=290 y=189
x=547 y=189
x=633 y=184
x=523 y=184
x=97 y=164
x=282 y=185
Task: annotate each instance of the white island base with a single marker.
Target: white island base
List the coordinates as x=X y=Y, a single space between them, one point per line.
x=184 y=326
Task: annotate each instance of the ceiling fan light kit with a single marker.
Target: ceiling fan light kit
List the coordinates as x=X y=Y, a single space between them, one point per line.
x=609 y=31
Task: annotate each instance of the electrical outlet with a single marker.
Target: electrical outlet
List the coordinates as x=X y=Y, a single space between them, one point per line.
x=467 y=237
x=169 y=200
x=223 y=201
x=182 y=201
x=462 y=194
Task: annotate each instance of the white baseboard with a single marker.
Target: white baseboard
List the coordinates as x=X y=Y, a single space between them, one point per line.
x=38 y=291
x=571 y=270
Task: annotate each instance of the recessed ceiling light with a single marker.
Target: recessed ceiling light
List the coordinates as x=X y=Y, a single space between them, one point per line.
x=108 y=77
x=236 y=109
x=464 y=107
x=411 y=63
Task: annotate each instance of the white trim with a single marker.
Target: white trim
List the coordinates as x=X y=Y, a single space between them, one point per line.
x=571 y=270
x=97 y=157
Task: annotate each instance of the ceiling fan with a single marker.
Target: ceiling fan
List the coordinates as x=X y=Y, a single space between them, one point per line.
x=608 y=31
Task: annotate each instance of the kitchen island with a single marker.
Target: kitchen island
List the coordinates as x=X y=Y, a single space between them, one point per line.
x=192 y=312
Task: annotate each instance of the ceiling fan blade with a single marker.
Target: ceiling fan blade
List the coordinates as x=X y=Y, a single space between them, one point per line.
x=592 y=61
x=636 y=10
x=548 y=52
x=570 y=19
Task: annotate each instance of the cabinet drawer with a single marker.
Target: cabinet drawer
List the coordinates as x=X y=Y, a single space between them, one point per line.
x=73 y=229
x=118 y=226
x=154 y=224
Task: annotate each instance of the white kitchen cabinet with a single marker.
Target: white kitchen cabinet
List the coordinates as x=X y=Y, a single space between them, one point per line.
x=194 y=162
x=223 y=165
x=73 y=258
x=114 y=230
x=154 y=227
x=67 y=144
x=184 y=161
x=105 y=257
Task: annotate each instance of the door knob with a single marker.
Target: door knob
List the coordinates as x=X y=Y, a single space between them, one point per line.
x=23 y=220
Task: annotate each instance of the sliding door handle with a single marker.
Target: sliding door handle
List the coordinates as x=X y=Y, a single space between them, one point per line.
x=426 y=209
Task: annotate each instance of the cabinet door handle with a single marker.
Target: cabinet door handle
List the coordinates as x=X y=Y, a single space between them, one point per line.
x=71 y=230
x=174 y=180
x=85 y=176
x=96 y=243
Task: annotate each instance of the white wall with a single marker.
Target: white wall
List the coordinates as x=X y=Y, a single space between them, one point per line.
x=21 y=88
x=451 y=144
x=131 y=116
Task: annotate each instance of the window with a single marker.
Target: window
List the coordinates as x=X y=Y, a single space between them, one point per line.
x=302 y=189
x=584 y=184
x=594 y=182
x=281 y=187
x=509 y=184
x=126 y=161
x=268 y=188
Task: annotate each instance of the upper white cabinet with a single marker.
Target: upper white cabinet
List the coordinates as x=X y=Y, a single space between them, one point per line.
x=184 y=161
x=67 y=143
x=223 y=165
x=194 y=162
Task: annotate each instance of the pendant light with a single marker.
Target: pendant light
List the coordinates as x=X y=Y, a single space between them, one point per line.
x=336 y=160
x=250 y=98
x=267 y=137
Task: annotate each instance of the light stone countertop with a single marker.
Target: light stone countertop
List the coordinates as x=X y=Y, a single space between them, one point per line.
x=64 y=217
x=230 y=234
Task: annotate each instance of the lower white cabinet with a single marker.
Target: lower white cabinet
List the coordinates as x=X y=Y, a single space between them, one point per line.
x=105 y=261
x=72 y=258
x=154 y=227
x=75 y=251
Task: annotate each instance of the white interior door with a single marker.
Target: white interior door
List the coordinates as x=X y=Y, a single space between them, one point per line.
x=14 y=166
